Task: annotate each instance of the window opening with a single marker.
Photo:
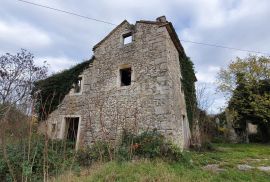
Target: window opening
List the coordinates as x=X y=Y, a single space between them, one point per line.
x=78 y=85
x=125 y=76
x=127 y=38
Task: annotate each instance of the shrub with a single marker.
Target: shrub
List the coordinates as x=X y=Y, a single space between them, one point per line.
x=100 y=151
x=171 y=152
x=207 y=146
x=123 y=153
x=150 y=145
x=255 y=138
x=218 y=140
x=59 y=158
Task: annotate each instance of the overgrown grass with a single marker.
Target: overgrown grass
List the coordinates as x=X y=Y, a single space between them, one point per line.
x=30 y=164
x=228 y=156
x=141 y=170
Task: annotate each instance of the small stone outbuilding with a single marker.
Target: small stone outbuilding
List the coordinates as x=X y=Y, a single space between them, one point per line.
x=133 y=83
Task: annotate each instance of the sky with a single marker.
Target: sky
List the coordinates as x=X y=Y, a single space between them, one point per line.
x=64 y=40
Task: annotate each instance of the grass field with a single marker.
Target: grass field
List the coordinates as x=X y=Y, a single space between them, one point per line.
x=227 y=156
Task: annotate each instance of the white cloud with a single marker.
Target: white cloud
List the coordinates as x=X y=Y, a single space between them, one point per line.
x=234 y=23
x=23 y=35
x=55 y=64
x=208 y=74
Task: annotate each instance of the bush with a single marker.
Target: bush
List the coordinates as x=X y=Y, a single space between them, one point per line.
x=207 y=146
x=218 y=140
x=255 y=138
x=61 y=154
x=204 y=147
x=171 y=152
x=100 y=151
x=123 y=153
x=148 y=145
x=59 y=158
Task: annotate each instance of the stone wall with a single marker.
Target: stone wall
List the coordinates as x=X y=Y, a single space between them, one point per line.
x=178 y=106
x=152 y=101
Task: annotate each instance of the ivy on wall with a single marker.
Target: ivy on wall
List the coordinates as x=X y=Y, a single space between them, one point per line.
x=188 y=83
x=50 y=92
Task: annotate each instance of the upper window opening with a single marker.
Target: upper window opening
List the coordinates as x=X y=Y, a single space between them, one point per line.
x=127 y=38
x=78 y=85
x=125 y=75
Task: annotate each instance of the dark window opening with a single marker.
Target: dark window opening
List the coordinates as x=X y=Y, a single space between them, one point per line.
x=182 y=89
x=78 y=85
x=127 y=38
x=72 y=125
x=125 y=74
x=53 y=127
x=184 y=117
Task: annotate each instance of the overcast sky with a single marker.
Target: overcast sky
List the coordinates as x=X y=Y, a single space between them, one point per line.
x=64 y=40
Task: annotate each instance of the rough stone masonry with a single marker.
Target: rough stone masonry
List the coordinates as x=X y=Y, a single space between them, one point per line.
x=134 y=83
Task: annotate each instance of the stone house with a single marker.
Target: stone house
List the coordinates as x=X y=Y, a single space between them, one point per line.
x=133 y=83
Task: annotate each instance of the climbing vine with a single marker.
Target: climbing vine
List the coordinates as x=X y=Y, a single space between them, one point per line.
x=50 y=92
x=188 y=82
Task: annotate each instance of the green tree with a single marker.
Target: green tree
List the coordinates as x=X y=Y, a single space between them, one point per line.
x=253 y=68
x=247 y=83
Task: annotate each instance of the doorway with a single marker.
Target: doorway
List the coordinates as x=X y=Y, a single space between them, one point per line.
x=72 y=126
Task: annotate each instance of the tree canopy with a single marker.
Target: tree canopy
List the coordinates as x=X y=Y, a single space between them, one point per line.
x=253 y=68
x=247 y=82
x=251 y=103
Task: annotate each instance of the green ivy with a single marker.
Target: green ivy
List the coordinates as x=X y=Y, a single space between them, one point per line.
x=188 y=83
x=50 y=92
x=53 y=89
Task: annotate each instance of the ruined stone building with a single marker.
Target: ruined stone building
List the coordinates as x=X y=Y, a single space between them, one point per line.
x=132 y=83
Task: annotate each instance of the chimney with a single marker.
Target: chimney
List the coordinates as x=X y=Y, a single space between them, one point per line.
x=161 y=19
